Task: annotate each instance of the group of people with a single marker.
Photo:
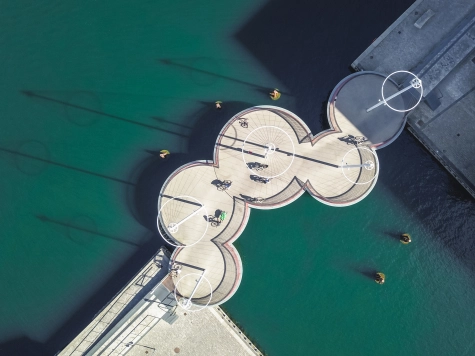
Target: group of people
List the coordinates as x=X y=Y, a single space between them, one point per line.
x=175 y=270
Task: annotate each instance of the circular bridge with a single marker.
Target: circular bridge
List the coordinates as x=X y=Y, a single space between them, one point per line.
x=266 y=157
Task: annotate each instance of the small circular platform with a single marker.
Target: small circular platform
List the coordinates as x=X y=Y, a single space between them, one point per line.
x=193 y=291
x=360 y=165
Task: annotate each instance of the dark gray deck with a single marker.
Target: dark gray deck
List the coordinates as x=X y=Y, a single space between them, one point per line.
x=441 y=51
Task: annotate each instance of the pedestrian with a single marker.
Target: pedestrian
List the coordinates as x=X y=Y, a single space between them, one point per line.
x=222 y=216
x=164 y=154
x=275 y=94
x=218 y=105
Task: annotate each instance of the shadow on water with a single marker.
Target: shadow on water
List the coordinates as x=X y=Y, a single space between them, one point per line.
x=22 y=346
x=323 y=118
x=433 y=196
x=86 y=312
x=367 y=272
x=32 y=94
x=308 y=45
x=62 y=165
x=176 y=64
x=159 y=119
x=392 y=235
x=73 y=226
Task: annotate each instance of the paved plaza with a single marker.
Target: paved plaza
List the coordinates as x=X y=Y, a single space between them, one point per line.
x=203 y=333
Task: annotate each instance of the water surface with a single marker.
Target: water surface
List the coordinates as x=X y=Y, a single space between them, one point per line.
x=91 y=91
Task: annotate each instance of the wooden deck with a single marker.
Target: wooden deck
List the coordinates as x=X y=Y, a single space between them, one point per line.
x=255 y=145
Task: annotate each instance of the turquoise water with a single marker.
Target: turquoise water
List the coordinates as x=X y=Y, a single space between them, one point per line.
x=307 y=286
x=91 y=90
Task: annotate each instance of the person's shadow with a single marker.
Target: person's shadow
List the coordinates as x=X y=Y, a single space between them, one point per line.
x=216 y=182
x=349 y=139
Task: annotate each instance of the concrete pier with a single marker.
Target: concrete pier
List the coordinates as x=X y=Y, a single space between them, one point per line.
x=113 y=316
x=143 y=319
x=435 y=39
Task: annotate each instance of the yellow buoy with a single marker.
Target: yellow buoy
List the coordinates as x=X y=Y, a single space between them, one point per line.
x=275 y=95
x=405 y=239
x=164 y=153
x=380 y=277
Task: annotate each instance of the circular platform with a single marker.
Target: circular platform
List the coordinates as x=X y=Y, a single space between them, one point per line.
x=268 y=151
x=193 y=287
x=360 y=165
x=181 y=218
x=354 y=95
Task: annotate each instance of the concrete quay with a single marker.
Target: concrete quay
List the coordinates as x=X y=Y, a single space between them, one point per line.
x=143 y=319
x=435 y=39
x=207 y=332
x=113 y=315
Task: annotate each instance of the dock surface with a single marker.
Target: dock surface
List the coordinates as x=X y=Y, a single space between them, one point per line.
x=435 y=39
x=144 y=319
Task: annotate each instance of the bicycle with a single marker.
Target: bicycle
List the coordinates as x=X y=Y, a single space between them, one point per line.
x=257 y=200
x=215 y=222
x=224 y=185
x=244 y=123
x=358 y=140
x=264 y=180
x=261 y=167
x=354 y=140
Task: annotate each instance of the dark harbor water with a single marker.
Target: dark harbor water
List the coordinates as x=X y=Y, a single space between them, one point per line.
x=92 y=90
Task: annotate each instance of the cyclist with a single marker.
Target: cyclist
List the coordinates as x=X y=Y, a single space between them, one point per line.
x=222 y=216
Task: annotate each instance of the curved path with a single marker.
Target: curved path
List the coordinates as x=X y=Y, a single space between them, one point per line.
x=271 y=158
